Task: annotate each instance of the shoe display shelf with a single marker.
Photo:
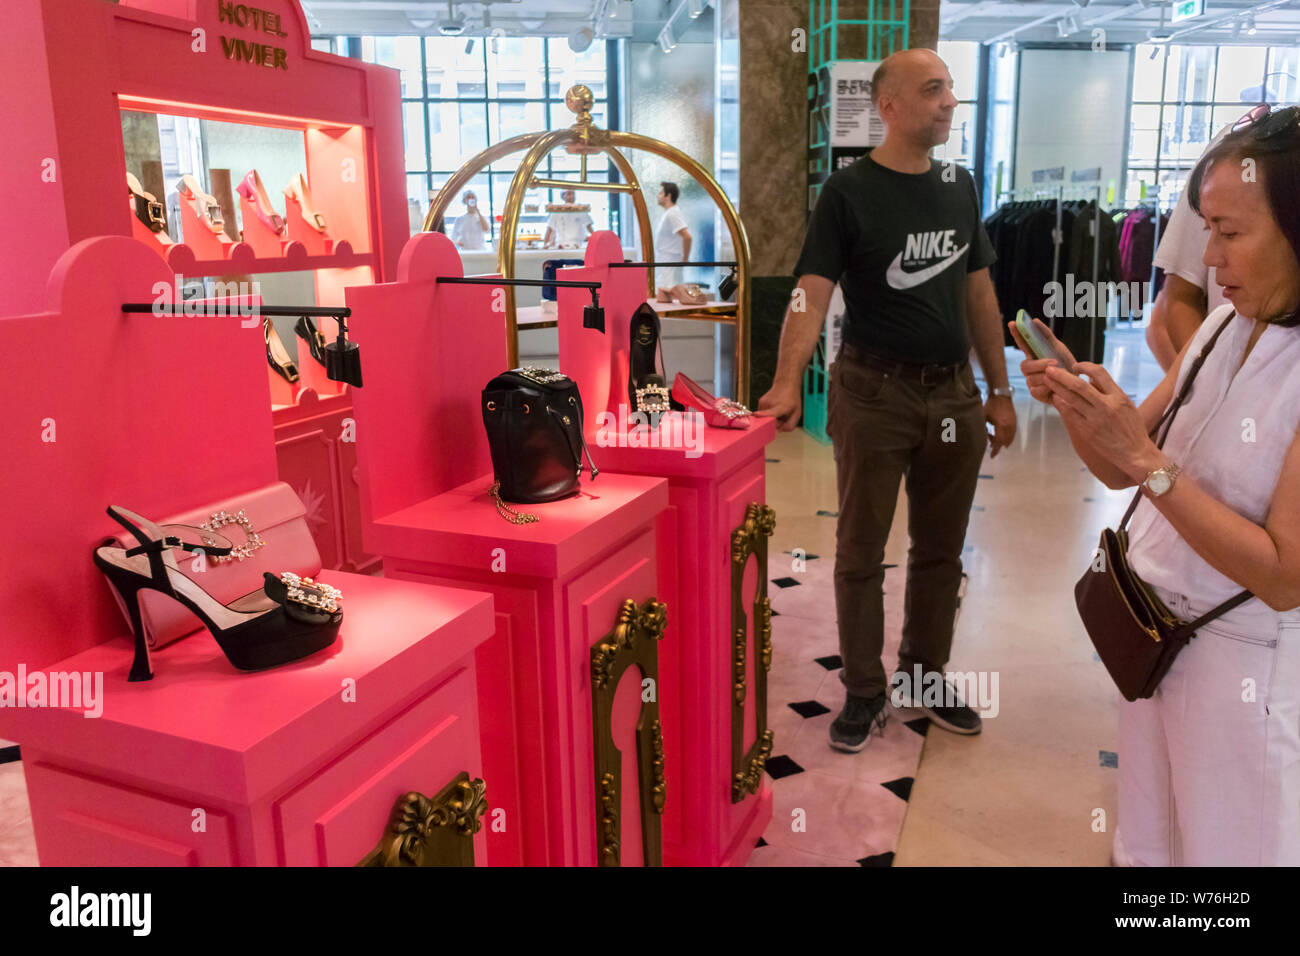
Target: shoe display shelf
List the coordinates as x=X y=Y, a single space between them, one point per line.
x=85 y=63
x=330 y=760
x=712 y=573
x=568 y=684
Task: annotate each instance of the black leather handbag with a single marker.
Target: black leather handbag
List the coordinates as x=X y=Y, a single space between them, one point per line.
x=533 y=418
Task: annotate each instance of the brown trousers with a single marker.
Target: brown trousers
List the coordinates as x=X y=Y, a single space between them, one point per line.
x=885 y=428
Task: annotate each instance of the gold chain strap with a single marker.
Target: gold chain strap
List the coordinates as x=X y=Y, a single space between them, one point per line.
x=505 y=511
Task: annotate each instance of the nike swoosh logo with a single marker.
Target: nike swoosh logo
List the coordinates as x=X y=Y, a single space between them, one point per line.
x=898 y=279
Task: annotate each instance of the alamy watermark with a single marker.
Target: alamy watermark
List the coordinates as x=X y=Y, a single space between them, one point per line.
x=65 y=690
x=1091 y=300
x=976 y=689
x=629 y=429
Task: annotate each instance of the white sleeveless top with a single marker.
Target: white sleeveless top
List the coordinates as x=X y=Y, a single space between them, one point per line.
x=1231 y=435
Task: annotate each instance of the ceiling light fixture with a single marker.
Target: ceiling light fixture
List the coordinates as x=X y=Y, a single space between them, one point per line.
x=1250 y=24
x=580 y=39
x=666 y=40
x=695 y=7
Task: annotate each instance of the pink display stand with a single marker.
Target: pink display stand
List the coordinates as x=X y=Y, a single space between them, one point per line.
x=80 y=63
x=710 y=488
x=558 y=584
x=286 y=766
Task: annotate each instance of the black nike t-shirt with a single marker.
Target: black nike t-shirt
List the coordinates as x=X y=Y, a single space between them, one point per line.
x=900 y=245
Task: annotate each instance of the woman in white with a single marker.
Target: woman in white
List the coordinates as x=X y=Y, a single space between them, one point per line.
x=1209 y=766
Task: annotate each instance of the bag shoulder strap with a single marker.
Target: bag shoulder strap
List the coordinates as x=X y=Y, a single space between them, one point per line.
x=1167 y=420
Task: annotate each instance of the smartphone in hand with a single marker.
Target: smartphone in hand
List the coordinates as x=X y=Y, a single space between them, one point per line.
x=1039 y=345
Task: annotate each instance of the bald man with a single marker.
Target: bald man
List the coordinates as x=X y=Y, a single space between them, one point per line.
x=901 y=234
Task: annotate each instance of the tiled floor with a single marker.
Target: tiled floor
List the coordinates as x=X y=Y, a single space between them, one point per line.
x=1025 y=790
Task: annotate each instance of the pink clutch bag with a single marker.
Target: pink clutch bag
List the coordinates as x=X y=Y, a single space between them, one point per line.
x=268 y=528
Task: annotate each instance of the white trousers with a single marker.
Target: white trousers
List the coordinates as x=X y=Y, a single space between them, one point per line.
x=1209 y=767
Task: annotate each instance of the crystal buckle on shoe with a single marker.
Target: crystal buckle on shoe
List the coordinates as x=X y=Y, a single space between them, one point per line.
x=730 y=408
x=221 y=519
x=309 y=593
x=660 y=395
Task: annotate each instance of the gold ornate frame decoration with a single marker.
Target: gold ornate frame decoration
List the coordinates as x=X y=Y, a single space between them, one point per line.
x=437 y=832
x=633 y=641
x=582 y=139
x=750 y=538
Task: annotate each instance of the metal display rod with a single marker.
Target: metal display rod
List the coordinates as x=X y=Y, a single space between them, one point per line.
x=276 y=311
x=705 y=265
x=593 y=316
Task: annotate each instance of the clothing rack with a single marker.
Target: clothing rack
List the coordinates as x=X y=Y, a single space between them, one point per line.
x=1057 y=192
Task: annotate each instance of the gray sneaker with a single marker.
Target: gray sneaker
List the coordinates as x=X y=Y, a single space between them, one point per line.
x=951 y=713
x=851 y=728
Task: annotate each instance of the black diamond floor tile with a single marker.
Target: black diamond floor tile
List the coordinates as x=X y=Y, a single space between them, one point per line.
x=786 y=582
x=832 y=663
x=918 y=726
x=880 y=859
x=9 y=754
x=809 y=708
x=1108 y=758
x=782 y=766
x=901 y=788
x=761 y=842
x=828 y=514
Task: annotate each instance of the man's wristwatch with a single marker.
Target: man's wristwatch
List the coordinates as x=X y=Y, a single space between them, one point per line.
x=1007 y=392
x=1160 y=481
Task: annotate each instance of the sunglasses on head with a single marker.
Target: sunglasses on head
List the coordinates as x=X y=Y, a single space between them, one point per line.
x=1264 y=123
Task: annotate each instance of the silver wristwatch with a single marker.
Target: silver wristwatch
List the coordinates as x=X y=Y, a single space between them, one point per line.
x=1162 y=479
x=1008 y=392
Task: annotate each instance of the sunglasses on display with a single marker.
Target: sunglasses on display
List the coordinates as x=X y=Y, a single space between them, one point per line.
x=1265 y=123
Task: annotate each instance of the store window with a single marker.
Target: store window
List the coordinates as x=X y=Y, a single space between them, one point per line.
x=1184 y=95
x=963 y=63
x=460 y=94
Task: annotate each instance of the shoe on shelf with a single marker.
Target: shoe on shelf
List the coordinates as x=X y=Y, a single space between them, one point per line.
x=850 y=730
x=305 y=328
x=290 y=618
x=689 y=294
x=297 y=190
x=205 y=207
x=147 y=207
x=277 y=356
x=950 y=713
x=663 y=295
x=251 y=188
x=647 y=391
x=718 y=412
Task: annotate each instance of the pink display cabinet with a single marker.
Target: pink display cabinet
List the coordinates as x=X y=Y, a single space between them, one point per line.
x=568 y=684
x=203 y=764
x=80 y=63
x=713 y=705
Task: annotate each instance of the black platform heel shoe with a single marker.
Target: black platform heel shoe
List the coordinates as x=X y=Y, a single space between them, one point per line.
x=647 y=390
x=277 y=356
x=289 y=619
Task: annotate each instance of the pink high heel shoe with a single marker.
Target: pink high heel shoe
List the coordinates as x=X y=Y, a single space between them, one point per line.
x=251 y=189
x=297 y=191
x=718 y=412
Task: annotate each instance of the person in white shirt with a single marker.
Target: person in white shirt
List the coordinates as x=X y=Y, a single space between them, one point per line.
x=1191 y=291
x=672 y=238
x=567 y=230
x=469 y=230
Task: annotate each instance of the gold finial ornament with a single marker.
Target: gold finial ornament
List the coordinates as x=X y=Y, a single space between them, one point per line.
x=579 y=100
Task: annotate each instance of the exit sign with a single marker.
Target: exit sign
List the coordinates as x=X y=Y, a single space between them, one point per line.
x=1187 y=9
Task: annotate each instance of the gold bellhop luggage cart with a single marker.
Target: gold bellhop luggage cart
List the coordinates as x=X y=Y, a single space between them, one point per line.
x=583 y=139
